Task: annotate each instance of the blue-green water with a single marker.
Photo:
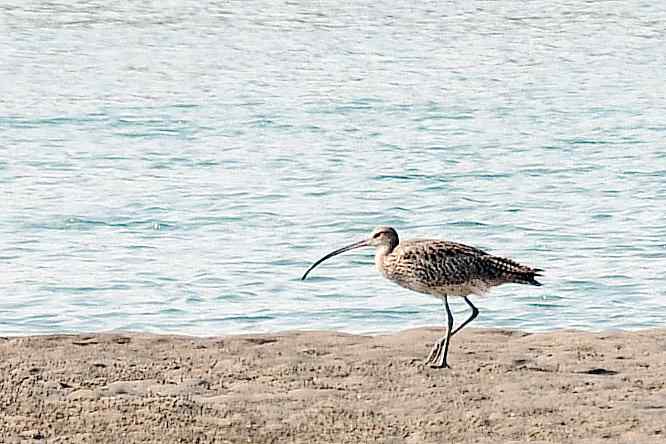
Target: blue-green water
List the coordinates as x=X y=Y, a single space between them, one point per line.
x=175 y=167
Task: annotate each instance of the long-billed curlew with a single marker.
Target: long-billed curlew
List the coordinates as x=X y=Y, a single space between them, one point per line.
x=441 y=269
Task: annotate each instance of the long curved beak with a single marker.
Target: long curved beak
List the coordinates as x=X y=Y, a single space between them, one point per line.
x=363 y=243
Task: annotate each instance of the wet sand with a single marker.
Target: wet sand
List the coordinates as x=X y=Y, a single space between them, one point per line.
x=306 y=387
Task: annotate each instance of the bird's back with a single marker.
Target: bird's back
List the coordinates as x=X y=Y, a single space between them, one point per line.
x=441 y=268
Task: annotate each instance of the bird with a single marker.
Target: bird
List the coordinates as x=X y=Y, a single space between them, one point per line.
x=441 y=269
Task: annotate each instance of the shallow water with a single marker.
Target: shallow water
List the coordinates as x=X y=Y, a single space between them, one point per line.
x=177 y=168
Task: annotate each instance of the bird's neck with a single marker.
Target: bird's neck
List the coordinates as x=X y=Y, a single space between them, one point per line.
x=380 y=255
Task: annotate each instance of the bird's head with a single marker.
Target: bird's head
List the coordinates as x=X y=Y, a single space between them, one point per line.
x=381 y=237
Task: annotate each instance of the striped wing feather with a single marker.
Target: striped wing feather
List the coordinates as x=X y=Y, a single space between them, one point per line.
x=431 y=264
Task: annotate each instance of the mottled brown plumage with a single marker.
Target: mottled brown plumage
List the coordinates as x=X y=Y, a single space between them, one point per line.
x=441 y=269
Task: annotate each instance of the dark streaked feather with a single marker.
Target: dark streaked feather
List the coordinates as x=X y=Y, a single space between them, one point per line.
x=435 y=263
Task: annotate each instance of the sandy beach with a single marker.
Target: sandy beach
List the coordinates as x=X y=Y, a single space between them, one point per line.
x=505 y=386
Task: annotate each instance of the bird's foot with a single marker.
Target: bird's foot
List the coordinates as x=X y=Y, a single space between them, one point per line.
x=439 y=365
x=435 y=361
x=436 y=358
x=433 y=356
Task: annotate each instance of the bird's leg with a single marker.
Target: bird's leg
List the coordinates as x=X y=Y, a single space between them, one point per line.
x=475 y=313
x=443 y=344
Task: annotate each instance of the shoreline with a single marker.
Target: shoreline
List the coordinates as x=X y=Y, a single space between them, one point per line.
x=327 y=386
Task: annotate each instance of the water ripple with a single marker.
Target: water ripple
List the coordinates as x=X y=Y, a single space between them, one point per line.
x=188 y=191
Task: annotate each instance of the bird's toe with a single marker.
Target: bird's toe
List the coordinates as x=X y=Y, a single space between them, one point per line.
x=439 y=365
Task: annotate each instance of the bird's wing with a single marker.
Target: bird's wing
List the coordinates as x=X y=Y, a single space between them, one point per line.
x=442 y=263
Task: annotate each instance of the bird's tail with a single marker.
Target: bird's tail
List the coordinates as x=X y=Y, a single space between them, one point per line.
x=528 y=277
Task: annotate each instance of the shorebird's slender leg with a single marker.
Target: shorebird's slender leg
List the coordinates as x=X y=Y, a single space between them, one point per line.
x=434 y=352
x=475 y=313
x=439 y=360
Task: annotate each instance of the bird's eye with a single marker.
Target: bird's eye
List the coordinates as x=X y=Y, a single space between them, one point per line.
x=376 y=235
